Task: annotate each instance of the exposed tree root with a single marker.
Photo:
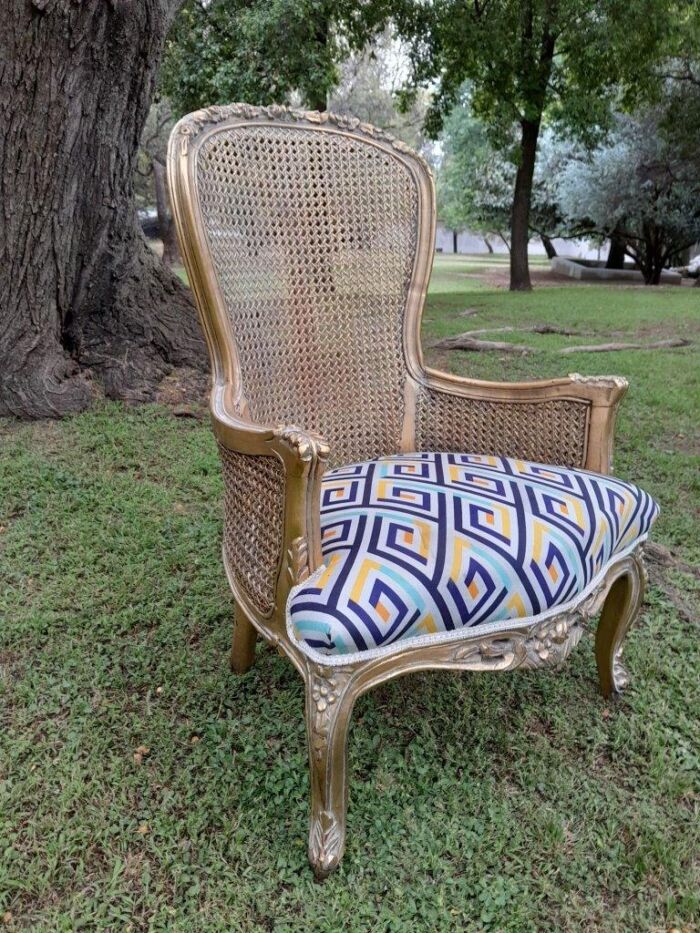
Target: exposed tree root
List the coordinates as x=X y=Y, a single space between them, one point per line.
x=469 y=341
x=613 y=347
x=532 y=329
x=465 y=342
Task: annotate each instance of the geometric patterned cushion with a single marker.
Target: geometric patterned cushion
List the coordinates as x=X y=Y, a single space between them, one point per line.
x=432 y=542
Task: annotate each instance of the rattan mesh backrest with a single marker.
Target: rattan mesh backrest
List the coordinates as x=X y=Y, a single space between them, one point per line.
x=313 y=235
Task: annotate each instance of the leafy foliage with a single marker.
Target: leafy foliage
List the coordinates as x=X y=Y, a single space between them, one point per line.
x=261 y=53
x=474 y=182
x=369 y=88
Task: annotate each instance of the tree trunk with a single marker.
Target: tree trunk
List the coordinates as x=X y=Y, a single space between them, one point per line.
x=549 y=247
x=651 y=270
x=317 y=100
x=166 y=224
x=505 y=240
x=81 y=293
x=520 y=220
x=616 y=253
x=488 y=245
x=455 y=244
x=653 y=257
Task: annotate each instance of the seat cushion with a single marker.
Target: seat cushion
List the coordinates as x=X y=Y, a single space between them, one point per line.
x=433 y=542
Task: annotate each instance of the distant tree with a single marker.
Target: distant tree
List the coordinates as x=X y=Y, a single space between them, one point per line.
x=525 y=59
x=547 y=219
x=369 y=86
x=475 y=181
x=640 y=185
x=150 y=182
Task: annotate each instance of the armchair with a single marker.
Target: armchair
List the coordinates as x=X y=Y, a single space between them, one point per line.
x=381 y=517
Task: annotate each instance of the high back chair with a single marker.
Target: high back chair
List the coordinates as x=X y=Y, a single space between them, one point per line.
x=381 y=517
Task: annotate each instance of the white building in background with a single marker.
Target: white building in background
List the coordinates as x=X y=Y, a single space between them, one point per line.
x=467 y=242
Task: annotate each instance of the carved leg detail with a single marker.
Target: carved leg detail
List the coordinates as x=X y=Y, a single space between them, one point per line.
x=329 y=703
x=243 y=644
x=620 y=609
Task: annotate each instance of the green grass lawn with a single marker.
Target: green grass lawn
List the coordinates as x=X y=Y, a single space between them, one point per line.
x=477 y=802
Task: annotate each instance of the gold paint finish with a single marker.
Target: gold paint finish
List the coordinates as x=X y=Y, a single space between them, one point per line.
x=273 y=472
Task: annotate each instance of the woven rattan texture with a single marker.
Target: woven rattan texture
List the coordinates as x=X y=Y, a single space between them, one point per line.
x=253 y=523
x=552 y=431
x=313 y=236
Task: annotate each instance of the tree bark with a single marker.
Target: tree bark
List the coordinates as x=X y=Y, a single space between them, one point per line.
x=549 y=247
x=488 y=245
x=520 y=221
x=81 y=294
x=166 y=224
x=616 y=253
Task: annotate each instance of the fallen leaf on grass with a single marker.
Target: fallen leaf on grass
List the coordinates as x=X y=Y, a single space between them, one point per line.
x=141 y=752
x=143 y=829
x=186 y=411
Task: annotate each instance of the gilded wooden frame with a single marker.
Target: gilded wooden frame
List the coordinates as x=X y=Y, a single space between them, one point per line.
x=332 y=688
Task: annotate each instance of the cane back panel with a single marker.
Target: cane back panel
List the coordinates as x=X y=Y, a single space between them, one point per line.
x=313 y=236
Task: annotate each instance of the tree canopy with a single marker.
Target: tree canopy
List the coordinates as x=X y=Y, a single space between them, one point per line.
x=526 y=59
x=92 y=302
x=261 y=53
x=474 y=182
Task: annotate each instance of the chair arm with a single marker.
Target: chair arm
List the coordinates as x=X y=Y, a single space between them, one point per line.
x=272 y=508
x=568 y=421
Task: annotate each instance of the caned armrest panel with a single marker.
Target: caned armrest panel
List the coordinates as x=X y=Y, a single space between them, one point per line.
x=254 y=499
x=543 y=431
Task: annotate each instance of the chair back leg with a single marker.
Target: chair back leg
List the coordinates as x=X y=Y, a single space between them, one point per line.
x=243 y=642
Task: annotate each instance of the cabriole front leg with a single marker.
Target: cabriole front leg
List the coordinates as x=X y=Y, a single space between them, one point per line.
x=329 y=702
x=620 y=609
